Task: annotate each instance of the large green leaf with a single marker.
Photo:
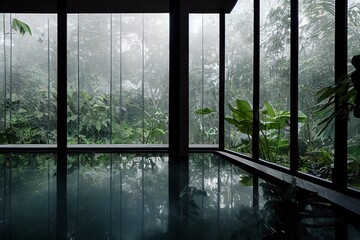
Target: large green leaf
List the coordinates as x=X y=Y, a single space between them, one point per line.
x=20 y=26
x=269 y=109
x=242 y=110
x=204 y=111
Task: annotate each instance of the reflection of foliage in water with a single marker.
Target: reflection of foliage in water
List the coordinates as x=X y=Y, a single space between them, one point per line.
x=288 y=213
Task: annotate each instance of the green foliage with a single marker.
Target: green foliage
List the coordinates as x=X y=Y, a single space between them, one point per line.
x=272 y=126
x=33 y=121
x=20 y=26
x=204 y=111
x=317 y=162
x=286 y=214
x=345 y=92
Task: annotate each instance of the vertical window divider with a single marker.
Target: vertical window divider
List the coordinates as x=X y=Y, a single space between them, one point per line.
x=110 y=127
x=202 y=79
x=49 y=80
x=178 y=117
x=5 y=73
x=120 y=68
x=78 y=79
x=61 y=167
x=294 y=81
x=256 y=83
x=111 y=78
x=339 y=176
x=222 y=80
x=143 y=77
x=10 y=70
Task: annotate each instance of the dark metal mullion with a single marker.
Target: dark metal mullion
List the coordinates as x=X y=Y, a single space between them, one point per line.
x=111 y=116
x=111 y=78
x=202 y=78
x=11 y=72
x=340 y=164
x=294 y=80
x=5 y=73
x=143 y=78
x=256 y=82
x=78 y=79
x=61 y=168
x=120 y=68
x=49 y=79
x=221 y=129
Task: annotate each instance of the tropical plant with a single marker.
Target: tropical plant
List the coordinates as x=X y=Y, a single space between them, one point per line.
x=273 y=142
x=20 y=26
x=346 y=92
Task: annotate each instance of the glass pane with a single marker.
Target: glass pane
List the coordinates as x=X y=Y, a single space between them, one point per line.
x=203 y=78
x=239 y=73
x=118 y=78
x=124 y=195
x=28 y=78
x=316 y=71
x=354 y=123
x=275 y=81
x=28 y=196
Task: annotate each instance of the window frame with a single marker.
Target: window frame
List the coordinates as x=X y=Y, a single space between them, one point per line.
x=178 y=147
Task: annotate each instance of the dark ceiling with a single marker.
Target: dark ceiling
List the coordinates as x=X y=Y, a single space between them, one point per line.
x=115 y=6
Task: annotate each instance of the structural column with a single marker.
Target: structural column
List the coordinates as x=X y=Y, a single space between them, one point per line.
x=61 y=170
x=294 y=81
x=178 y=119
x=340 y=160
x=256 y=83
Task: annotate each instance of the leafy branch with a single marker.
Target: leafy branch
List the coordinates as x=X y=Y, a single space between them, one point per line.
x=20 y=26
x=345 y=93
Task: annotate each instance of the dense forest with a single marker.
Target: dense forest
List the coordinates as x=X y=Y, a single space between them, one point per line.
x=118 y=76
x=118 y=80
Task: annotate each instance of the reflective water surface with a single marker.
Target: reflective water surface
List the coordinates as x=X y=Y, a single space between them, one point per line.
x=126 y=196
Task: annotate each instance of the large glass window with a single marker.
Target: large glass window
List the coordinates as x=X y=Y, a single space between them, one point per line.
x=275 y=81
x=118 y=93
x=28 y=79
x=239 y=77
x=203 y=78
x=316 y=71
x=118 y=78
